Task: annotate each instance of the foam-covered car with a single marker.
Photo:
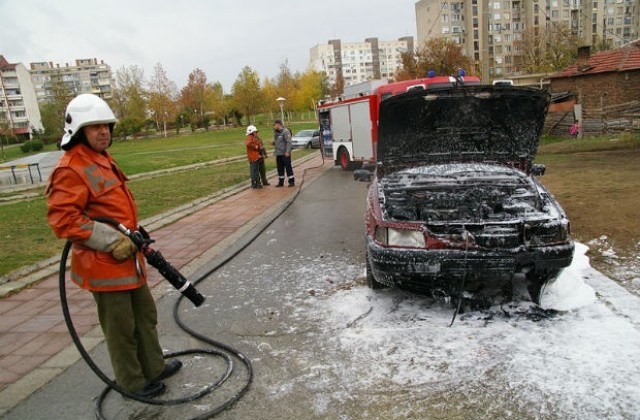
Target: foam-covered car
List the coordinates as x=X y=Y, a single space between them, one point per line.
x=454 y=203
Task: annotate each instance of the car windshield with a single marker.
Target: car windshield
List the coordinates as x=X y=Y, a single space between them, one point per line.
x=304 y=133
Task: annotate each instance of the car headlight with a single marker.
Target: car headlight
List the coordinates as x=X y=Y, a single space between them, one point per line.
x=399 y=237
x=552 y=233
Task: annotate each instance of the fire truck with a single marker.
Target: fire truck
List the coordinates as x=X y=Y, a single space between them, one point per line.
x=349 y=124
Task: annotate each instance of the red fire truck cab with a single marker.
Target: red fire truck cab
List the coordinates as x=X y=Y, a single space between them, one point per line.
x=349 y=125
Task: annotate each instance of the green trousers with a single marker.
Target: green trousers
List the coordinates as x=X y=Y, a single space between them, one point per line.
x=128 y=320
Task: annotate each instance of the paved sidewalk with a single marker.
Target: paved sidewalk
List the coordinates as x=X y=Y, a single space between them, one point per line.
x=34 y=343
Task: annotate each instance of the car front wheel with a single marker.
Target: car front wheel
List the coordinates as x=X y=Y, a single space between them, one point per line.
x=538 y=280
x=371 y=281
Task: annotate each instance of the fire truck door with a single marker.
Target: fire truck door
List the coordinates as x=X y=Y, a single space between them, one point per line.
x=361 y=131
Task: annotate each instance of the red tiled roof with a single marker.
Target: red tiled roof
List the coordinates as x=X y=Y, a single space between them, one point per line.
x=622 y=59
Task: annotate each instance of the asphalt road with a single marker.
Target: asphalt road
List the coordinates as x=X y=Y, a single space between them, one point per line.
x=325 y=346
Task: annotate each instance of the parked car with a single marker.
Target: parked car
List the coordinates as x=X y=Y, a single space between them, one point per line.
x=306 y=139
x=454 y=203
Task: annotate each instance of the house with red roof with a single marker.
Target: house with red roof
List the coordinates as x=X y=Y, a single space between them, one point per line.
x=605 y=87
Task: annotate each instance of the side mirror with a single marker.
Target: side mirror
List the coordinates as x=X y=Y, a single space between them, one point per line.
x=362 y=175
x=537 y=169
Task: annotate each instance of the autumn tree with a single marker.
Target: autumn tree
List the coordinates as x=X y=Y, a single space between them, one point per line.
x=287 y=84
x=313 y=86
x=546 y=51
x=439 y=54
x=128 y=100
x=247 y=95
x=215 y=101
x=193 y=97
x=162 y=92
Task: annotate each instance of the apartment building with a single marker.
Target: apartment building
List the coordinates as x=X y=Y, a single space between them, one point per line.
x=359 y=61
x=86 y=76
x=19 y=112
x=488 y=29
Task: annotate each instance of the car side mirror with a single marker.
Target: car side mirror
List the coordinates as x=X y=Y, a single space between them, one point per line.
x=538 y=169
x=362 y=175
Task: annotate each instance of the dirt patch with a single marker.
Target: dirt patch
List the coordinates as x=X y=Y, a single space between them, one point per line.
x=599 y=191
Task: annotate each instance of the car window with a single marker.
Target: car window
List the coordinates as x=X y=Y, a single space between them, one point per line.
x=305 y=133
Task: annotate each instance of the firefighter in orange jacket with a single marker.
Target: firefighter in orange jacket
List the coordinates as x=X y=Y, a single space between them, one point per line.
x=87 y=184
x=254 y=146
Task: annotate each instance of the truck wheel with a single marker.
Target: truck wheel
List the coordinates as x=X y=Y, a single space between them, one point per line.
x=371 y=281
x=343 y=160
x=538 y=280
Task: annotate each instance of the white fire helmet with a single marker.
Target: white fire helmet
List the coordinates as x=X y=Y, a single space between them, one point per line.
x=251 y=129
x=85 y=109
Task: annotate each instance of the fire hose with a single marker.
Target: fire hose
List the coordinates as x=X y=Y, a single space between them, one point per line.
x=187 y=289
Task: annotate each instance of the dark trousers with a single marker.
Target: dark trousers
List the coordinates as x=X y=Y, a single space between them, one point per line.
x=263 y=172
x=254 y=171
x=128 y=320
x=284 y=163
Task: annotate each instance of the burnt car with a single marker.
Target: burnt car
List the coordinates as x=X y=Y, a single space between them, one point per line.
x=454 y=204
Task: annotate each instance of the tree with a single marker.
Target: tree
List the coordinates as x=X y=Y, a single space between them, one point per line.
x=5 y=128
x=287 y=84
x=52 y=111
x=215 y=101
x=313 y=86
x=128 y=100
x=338 y=88
x=162 y=92
x=439 y=54
x=546 y=51
x=247 y=95
x=192 y=96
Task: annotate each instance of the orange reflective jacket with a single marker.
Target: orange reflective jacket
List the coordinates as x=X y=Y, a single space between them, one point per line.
x=84 y=185
x=253 y=148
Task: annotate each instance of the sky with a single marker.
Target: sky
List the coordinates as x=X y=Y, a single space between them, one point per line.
x=217 y=36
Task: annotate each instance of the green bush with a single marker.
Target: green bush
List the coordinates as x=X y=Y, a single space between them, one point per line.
x=36 y=145
x=31 y=145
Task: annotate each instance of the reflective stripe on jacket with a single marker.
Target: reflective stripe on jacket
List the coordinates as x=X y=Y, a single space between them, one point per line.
x=84 y=185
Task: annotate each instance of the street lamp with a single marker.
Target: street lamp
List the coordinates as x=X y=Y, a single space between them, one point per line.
x=281 y=102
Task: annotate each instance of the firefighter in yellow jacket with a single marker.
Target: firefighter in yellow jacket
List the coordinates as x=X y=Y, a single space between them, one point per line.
x=87 y=184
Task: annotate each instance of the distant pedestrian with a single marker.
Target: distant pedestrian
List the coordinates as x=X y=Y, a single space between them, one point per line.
x=253 y=153
x=263 y=167
x=282 y=143
x=575 y=129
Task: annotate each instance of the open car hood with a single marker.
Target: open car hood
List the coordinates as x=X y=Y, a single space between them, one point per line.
x=484 y=124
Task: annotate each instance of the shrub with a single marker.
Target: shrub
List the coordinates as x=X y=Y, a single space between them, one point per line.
x=31 y=145
x=36 y=145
